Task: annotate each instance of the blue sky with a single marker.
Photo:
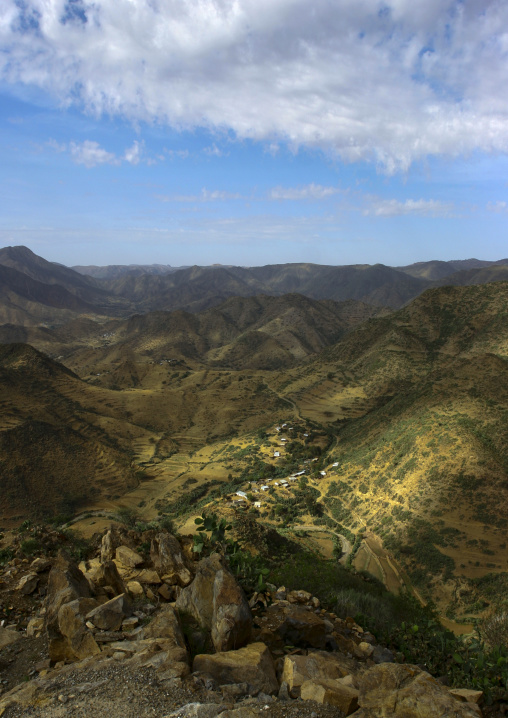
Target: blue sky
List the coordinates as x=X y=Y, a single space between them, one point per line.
x=254 y=132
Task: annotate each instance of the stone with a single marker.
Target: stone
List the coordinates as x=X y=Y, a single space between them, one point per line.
x=135 y=589
x=299 y=596
x=40 y=564
x=76 y=642
x=168 y=593
x=382 y=655
x=109 y=615
x=128 y=557
x=28 y=583
x=366 y=648
x=107 y=574
x=330 y=692
x=8 y=636
x=168 y=561
x=252 y=665
x=166 y=624
x=198 y=710
x=35 y=627
x=317 y=665
x=405 y=691
x=107 y=547
x=66 y=583
x=466 y=694
x=296 y=626
x=216 y=602
x=129 y=624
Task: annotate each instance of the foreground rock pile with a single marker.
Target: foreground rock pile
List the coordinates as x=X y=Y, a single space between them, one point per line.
x=188 y=629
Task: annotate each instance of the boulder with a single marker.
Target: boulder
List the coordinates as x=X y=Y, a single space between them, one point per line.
x=28 y=583
x=405 y=691
x=66 y=583
x=295 y=625
x=467 y=695
x=252 y=665
x=76 y=640
x=168 y=561
x=317 y=665
x=8 y=636
x=35 y=627
x=107 y=547
x=106 y=574
x=166 y=624
x=40 y=564
x=135 y=589
x=128 y=557
x=109 y=616
x=331 y=692
x=216 y=602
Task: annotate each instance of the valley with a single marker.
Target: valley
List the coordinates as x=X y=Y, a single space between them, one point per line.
x=389 y=420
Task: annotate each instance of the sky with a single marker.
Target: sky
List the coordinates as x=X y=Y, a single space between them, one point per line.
x=254 y=132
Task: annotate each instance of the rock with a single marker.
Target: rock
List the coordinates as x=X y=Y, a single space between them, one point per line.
x=40 y=564
x=280 y=593
x=28 y=583
x=141 y=575
x=217 y=603
x=466 y=694
x=405 y=691
x=8 y=636
x=167 y=558
x=299 y=596
x=366 y=648
x=130 y=623
x=76 y=641
x=296 y=626
x=330 y=692
x=317 y=665
x=168 y=593
x=66 y=583
x=198 y=710
x=252 y=665
x=135 y=589
x=107 y=547
x=128 y=557
x=106 y=574
x=382 y=655
x=166 y=625
x=109 y=615
x=35 y=627
x=234 y=690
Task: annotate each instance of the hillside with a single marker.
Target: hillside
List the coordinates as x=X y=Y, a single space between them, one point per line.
x=419 y=403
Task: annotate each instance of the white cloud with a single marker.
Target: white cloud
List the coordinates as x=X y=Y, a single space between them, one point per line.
x=133 y=154
x=498 y=207
x=91 y=154
x=390 y=82
x=205 y=196
x=311 y=191
x=420 y=207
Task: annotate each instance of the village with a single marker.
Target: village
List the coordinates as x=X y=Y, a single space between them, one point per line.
x=259 y=494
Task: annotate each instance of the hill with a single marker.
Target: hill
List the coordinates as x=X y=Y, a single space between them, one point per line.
x=54 y=454
x=418 y=402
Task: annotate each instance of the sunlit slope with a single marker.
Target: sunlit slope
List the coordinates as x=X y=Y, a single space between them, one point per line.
x=419 y=401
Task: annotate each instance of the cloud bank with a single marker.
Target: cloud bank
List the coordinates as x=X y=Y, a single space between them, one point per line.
x=390 y=82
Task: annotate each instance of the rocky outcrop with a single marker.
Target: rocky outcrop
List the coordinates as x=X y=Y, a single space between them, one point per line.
x=405 y=691
x=75 y=641
x=252 y=665
x=66 y=584
x=110 y=615
x=317 y=665
x=128 y=557
x=168 y=560
x=331 y=692
x=217 y=603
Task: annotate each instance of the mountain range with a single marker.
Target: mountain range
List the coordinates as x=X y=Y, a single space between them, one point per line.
x=126 y=391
